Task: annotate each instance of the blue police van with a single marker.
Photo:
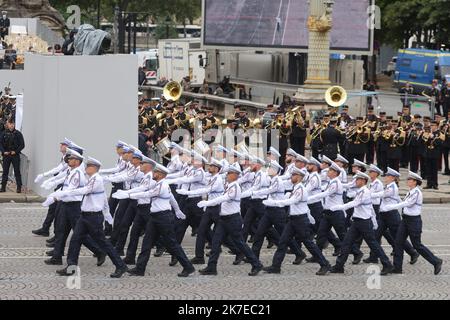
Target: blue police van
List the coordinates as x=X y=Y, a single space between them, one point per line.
x=420 y=66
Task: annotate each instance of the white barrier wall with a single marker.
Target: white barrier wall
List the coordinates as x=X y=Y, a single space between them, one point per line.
x=89 y=99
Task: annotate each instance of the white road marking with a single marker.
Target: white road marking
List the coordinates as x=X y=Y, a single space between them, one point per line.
x=276 y=25
x=285 y=24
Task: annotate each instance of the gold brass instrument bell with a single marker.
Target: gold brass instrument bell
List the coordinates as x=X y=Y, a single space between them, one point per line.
x=336 y=96
x=173 y=91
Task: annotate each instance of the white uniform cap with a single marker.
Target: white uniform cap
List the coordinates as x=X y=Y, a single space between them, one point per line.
x=93 y=162
x=414 y=176
x=374 y=168
x=341 y=159
x=391 y=172
x=362 y=175
x=357 y=163
x=274 y=152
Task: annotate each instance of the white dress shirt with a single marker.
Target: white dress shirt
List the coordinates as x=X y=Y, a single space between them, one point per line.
x=175 y=164
x=332 y=196
x=194 y=180
x=343 y=176
x=412 y=204
x=261 y=181
x=62 y=166
x=313 y=185
x=388 y=196
x=375 y=187
x=230 y=201
x=362 y=204
x=297 y=202
x=275 y=191
x=246 y=179
x=128 y=176
x=74 y=180
x=145 y=184
x=324 y=180
x=213 y=189
x=288 y=172
x=351 y=188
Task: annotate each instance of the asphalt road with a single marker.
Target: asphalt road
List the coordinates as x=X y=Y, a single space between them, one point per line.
x=23 y=274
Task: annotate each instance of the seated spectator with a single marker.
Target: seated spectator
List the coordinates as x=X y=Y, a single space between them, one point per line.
x=10 y=56
x=58 y=49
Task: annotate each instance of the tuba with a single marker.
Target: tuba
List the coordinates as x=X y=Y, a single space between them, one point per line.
x=172 y=91
x=336 y=96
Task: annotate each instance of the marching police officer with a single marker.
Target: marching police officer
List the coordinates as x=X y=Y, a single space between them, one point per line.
x=161 y=224
x=298 y=225
x=94 y=210
x=364 y=224
x=230 y=224
x=411 y=225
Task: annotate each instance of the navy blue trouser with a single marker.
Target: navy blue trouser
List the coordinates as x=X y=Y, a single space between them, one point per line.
x=113 y=203
x=276 y=217
x=91 y=224
x=335 y=220
x=256 y=210
x=68 y=215
x=230 y=226
x=125 y=225
x=51 y=216
x=120 y=213
x=297 y=226
x=139 y=224
x=411 y=227
x=210 y=217
x=161 y=224
x=193 y=216
x=361 y=229
x=388 y=223
x=316 y=210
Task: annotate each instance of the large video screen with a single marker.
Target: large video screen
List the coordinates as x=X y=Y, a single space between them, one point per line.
x=282 y=24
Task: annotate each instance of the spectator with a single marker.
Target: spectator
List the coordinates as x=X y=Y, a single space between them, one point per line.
x=11 y=56
x=142 y=77
x=186 y=84
x=205 y=89
x=68 y=48
x=11 y=145
x=162 y=82
x=58 y=49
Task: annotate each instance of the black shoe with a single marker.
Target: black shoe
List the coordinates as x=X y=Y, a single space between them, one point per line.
x=414 y=258
x=136 y=273
x=19 y=190
x=119 y=272
x=255 y=271
x=323 y=270
x=289 y=251
x=54 y=261
x=335 y=269
x=336 y=252
x=159 y=252
x=2 y=190
x=41 y=232
x=50 y=253
x=397 y=271
x=208 y=272
x=272 y=270
x=438 y=267
x=50 y=245
x=299 y=259
x=186 y=272
x=64 y=272
x=312 y=260
x=101 y=258
x=370 y=260
x=198 y=260
x=427 y=188
x=358 y=258
x=173 y=262
x=208 y=254
x=446 y=173
x=326 y=245
x=270 y=245
x=239 y=259
x=386 y=270
x=129 y=261
x=392 y=253
x=50 y=240
x=194 y=233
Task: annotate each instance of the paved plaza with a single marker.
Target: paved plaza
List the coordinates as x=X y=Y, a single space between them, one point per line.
x=23 y=274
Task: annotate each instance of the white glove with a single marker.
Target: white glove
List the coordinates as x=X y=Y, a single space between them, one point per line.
x=108 y=217
x=39 y=178
x=375 y=223
x=183 y=192
x=48 y=202
x=311 y=219
x=48 y=185
x=120 y=195
x=202 y=204
x=57 y=194
x=180 y=215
